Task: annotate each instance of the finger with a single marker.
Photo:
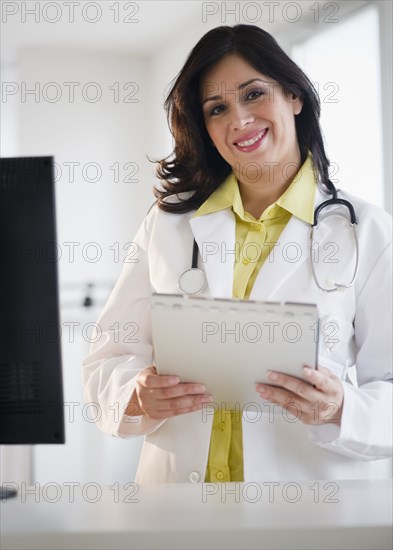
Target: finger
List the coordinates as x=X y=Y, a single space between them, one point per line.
x=294 y=385
x=278 y=395
x=325 y=370
x=323 y=379
x=180 y=390
x=151 y=380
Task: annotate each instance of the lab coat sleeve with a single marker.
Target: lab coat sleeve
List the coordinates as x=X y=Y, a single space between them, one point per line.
x=366 y=429
x=123 y=344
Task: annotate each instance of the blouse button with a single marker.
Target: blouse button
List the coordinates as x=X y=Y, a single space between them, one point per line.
x=194 y=477
x=219 y=475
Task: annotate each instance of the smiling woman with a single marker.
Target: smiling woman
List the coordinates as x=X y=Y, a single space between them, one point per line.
x=237 y=72
x=249 y=169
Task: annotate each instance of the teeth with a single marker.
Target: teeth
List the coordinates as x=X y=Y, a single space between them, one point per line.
x=250 y=141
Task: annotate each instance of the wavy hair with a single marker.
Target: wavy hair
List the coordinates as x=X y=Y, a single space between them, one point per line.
x=195 y=164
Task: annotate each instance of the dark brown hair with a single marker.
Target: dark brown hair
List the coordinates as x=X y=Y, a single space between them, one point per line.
x=195 y=164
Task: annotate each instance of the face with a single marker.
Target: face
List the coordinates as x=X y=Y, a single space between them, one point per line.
x=249 y=116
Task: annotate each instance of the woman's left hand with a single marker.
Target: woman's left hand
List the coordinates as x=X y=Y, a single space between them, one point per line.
x=319 y=403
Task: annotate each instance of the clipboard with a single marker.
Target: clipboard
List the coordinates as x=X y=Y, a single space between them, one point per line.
x=230 y=344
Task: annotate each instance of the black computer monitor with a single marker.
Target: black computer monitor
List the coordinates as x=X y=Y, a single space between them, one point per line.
x=31 y=390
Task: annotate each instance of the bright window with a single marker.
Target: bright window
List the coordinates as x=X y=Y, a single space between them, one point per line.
x=344 y=64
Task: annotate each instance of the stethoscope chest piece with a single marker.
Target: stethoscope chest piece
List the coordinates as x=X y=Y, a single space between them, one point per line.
x=192 y=281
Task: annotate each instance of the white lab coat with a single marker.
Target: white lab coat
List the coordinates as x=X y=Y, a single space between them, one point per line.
x=356 y=329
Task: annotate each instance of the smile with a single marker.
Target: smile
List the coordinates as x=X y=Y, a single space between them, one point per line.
x=252 y=143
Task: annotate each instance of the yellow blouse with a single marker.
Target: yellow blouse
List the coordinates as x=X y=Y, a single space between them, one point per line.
x=254 y=241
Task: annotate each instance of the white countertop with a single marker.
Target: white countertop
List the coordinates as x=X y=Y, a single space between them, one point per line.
x=313 y=514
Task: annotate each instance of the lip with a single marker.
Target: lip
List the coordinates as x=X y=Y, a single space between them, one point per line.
x=250 y=148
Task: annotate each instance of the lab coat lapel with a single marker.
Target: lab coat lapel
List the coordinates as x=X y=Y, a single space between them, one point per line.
x=288 y=254
x=284 y=259
x=215 y=236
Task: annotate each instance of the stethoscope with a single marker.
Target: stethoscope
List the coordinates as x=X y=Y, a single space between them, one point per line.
x=193 y=281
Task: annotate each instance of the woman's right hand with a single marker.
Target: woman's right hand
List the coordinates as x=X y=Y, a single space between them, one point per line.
x=160 y=396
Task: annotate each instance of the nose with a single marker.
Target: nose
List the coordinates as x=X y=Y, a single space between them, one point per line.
x=241 y=117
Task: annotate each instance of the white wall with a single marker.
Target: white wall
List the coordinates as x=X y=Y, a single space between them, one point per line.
x=163 y=68
x=103 y=133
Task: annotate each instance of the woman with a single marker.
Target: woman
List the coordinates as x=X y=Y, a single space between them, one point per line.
x=247 y=171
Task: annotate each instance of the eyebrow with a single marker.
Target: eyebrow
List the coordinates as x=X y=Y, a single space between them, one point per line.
x=240 y=87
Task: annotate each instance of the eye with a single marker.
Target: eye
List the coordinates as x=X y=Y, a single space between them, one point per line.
x=218 y=109
x=254 y=94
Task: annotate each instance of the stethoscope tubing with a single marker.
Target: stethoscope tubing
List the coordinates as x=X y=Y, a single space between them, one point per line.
x=194 y=274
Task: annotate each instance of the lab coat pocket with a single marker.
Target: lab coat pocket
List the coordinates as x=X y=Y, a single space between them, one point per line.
x=336 y=344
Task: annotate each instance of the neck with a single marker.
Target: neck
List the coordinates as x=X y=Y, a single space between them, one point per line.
x=264 y=185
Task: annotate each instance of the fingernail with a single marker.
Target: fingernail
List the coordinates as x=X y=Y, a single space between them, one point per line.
x=307 y=371
x=174 y=379
x=200 y=389
x=261 y=388
x=272 y=375
x=207 y=399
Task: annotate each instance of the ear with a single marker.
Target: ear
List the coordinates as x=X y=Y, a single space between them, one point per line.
x=297 y=104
